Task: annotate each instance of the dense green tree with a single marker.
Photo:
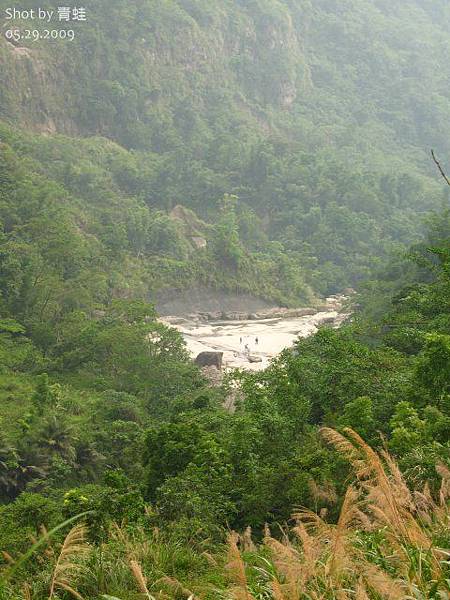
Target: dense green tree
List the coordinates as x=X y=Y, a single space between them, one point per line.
x=269 y=147
x=43 y=398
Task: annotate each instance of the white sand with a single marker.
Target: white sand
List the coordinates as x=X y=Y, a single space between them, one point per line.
x=273 y=336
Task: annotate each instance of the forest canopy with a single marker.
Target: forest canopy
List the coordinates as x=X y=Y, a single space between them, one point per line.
x=278 y=149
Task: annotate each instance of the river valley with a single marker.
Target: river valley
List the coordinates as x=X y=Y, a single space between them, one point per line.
x=252 y=343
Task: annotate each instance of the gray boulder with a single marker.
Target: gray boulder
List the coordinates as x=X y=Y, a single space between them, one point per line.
x=254 y=359
x=209 y=359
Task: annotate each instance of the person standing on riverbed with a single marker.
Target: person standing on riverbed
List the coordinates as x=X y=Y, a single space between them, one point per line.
x=256 y=340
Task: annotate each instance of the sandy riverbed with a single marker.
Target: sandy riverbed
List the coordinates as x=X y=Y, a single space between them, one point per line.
x=273 y=336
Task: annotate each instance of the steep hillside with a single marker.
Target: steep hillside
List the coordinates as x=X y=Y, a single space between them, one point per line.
x=317 y=115
x=158 y=73
x=213 y=152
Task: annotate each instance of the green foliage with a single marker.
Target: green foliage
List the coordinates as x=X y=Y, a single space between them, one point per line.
x=43 y=397
x=123 y=419
x=433 y=369
x=358 y=414
x=226 y=244
x=306 y=125
x=407 y=429
x=115 y=501
x=293 y=134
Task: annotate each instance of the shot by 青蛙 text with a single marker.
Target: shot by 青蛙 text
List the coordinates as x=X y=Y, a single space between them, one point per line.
x=36 y=24
x=57 y=14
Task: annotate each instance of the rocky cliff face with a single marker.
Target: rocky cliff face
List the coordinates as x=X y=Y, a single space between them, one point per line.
x=316 y=115
x=32 y=90
x=150 y=73
x=138 y=63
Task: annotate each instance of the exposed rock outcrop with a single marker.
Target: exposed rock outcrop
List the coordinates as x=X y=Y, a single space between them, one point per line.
x=210 y=359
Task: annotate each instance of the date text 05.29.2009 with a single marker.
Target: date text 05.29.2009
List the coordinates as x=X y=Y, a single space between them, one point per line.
x=34 y=35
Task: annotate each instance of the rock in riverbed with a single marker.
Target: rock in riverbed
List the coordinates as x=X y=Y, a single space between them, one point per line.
x=254 y=359
x=251 y=342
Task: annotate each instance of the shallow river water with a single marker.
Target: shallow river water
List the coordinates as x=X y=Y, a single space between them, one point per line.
x=232 y=337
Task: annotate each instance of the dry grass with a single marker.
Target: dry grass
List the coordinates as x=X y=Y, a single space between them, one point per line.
x=145 y=549
x=333 y=561
x=382 y=546
x=67 y=567
x=236 y=570
x=141 y=581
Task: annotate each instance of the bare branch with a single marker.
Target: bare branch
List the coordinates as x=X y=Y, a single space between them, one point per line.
x=441 y=170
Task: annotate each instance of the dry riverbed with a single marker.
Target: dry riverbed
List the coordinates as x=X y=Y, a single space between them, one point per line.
x=264 y=337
